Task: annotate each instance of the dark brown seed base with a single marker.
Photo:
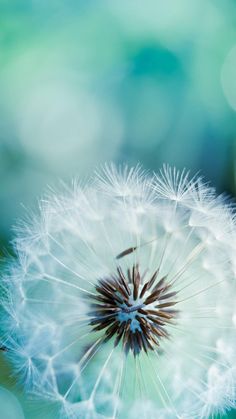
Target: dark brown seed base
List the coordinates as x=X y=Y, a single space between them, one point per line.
x=153 y=312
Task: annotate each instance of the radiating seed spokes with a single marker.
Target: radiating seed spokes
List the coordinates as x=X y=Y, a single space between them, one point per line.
x=133 y=311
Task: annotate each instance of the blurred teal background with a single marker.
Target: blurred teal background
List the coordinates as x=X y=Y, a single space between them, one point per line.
x=85 y=82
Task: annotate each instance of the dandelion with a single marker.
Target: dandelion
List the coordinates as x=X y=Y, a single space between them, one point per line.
x=121 y=300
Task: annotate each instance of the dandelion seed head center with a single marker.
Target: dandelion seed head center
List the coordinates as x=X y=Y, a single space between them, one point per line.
x=133 y=310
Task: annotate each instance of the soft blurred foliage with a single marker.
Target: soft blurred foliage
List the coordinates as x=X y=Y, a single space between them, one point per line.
x=84 y=82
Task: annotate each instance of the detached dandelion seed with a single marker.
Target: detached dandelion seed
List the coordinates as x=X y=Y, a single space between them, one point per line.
x=121 y=301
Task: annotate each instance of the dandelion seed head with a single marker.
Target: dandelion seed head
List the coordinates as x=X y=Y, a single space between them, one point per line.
x=121 y=297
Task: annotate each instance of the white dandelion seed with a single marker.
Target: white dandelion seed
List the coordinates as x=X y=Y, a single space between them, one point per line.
x=121 y=300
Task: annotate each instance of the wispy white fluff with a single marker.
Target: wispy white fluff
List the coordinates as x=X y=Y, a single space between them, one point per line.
x=178 y=225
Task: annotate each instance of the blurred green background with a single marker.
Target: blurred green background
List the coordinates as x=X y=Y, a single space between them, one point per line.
x=85 y=82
